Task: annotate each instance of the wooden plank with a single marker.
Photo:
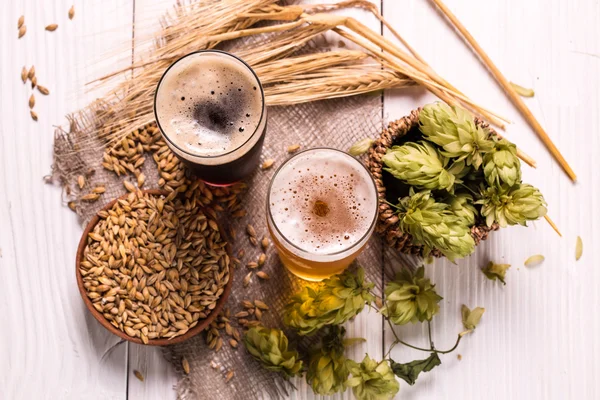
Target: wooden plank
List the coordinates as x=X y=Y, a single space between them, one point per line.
x=51 y=346
x=367 y=325
x=537 y=339
x=159 y=374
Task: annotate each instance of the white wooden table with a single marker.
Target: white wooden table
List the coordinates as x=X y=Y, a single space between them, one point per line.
x=539 y=336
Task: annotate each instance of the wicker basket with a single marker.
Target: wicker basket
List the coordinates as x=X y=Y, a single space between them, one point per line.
x=387 y=225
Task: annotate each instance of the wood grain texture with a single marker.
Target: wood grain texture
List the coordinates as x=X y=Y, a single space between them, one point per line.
x=51 y=347
x=538 y=338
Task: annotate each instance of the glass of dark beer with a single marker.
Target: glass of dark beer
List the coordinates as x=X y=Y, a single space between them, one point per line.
x=210 y=108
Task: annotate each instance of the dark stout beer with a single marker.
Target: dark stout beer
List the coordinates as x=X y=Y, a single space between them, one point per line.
x=210 y=108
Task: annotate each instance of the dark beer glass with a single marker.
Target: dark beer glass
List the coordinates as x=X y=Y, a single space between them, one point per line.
x=210 y=108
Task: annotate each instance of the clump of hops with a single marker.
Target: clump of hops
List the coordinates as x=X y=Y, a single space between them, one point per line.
x=501 y=165
x=372 y=380
x=455 y=131
x=334 y=302
x=512 y=206
x=270 y=348
x=327 y=371
x=420 y=164
x=458 y=174
x=461 y=205
x=410 y=298
x=433 y=225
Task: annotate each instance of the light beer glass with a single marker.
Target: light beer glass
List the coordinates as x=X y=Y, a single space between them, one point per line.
x=321 y=210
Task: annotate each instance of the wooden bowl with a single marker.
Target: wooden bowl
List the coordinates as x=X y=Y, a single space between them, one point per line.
x=202 y=324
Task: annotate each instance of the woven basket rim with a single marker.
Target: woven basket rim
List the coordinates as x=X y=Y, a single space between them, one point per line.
x=387 y=224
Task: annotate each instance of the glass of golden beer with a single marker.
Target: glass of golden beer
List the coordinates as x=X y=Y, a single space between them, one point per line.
x=321 y=211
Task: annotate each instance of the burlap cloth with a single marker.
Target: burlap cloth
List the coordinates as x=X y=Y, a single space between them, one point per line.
x=334 y=123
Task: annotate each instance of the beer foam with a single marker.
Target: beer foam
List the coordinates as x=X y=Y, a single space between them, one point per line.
x=323 y=201
x=209 y=104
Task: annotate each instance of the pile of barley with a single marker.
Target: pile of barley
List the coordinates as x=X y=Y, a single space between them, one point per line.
x=155 y=266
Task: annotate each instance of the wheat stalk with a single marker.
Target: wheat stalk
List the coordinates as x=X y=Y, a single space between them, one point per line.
x=288 y=78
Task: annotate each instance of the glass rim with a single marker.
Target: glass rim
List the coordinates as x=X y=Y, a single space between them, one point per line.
x=262 y=112
x=368 y=232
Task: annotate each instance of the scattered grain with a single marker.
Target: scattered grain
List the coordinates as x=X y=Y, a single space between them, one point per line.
x=261 y=259
x=268 y=163
x=185 y=365
x=263 y=275
x=22 y=31
x=260 y=304
x=71 y=12
x=247 y=279
x=51 y=27
x=138 y=375
x=293 y=148
x=31 y=101
x=34 y=115
x=264 y=243
x=20 y=22
x=43 y=90
x=24 y=74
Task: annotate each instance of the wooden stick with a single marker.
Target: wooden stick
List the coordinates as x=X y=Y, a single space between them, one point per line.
x=508 y=89
x=553 y=225
x=420 y=78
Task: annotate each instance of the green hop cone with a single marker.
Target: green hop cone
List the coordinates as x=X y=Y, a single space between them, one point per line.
x=270 y=348
x=454 y=130
x=420 y=164
x=512 y=206
x=299 y=313
x=327 y=370
x=337 y=299
x=461 y=205
x=433 y=225
x=410 y=298
x=372 y=380
x=501 y=165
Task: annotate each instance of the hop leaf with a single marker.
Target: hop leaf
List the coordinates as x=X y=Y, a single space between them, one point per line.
x=360 y=147
x=327 y=369
x=372 y=380
x=270 y=348
x=501 y=165
x=433 y=225
x=454 y=130
x=421 y=165
x=410 y=298
x=461 y=205
x=410 y=371
x=471 y=318
x=338 y=299
x=511 y=206
x=495 y=271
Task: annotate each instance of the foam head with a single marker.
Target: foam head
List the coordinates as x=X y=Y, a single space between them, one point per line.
x=208 y=104
x=323 y=201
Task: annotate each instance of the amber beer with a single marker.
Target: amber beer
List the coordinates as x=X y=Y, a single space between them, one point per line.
x=321 y=210
x=210 y=108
